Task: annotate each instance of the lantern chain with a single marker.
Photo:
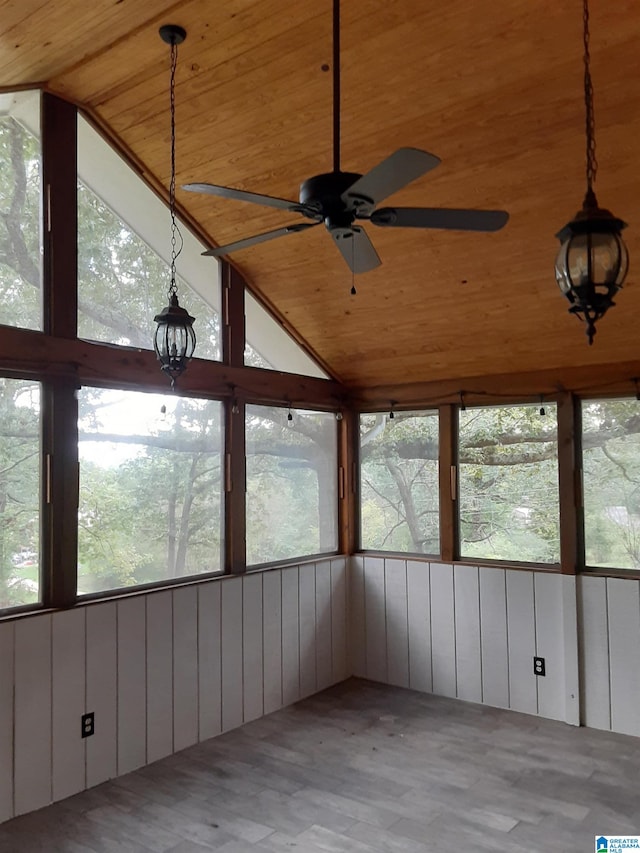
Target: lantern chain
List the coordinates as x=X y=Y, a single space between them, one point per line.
x=592 y=163
x=176 y=236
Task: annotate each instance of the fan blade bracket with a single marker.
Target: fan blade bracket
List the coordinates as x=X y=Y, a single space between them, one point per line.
x=384 y=216
x=361 y=205
x=311 y=211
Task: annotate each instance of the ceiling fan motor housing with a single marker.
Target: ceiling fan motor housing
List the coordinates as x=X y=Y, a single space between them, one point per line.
x=324 y=194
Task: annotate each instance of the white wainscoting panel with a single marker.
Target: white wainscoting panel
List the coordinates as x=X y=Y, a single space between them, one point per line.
x=160 y=671
x=6 y=719
x=521 y=623
x=290 y=636
x=132 y=684
x=272 y=640
x=624 y=645
x=32 y=720
x=419 y=625
x=468 y=646
x=102 y=692
x=185 y=667
x=159 y=675
x=571 y=651
x=307 y=605
x=375 y=619
x=252 y=666
x=395 y=580
x=209 y=660
x=357 y=634
x=324 y=675
x=550 y=644
x=467 y=632
x=594 y=643
x=232 y=703
x=68 y=702
x=443 y=630
x=494 y=646
x=339 y=629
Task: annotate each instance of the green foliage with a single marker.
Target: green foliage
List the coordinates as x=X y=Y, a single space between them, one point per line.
x=612 y=484
x=150 y=502
x=399 y=500
x=20 y=199
x=508 y=484
x=291 y=488
x=19 y=492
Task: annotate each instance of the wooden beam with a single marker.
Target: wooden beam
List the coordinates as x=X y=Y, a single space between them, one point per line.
x=601 y=380
x=570 y=486
x=60 y=242
x=348 y=520
x=448 y=474
x=36 y=354
x=235 y=488
x=60 y=492
x=233 y=339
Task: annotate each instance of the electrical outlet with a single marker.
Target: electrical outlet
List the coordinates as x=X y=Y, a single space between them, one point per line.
x=539 y=666
x=88 y=727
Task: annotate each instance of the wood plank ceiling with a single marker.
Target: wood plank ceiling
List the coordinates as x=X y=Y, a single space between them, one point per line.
x=494 y=89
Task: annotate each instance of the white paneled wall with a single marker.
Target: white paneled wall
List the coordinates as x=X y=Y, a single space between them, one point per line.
x=164 y=670
x=464 y=632
x=160 y=671
x=610 y=653
x=7 y=646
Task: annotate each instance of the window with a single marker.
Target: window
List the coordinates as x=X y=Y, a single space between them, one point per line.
x=123 y=247
x=508 y=484
x=611 y=463
x=20 y=448
x=150 y=488
x=20 y=204
x=399 y=504
x=291 y=483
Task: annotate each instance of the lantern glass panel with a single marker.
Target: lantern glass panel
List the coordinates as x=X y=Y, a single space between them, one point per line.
x=562 y=277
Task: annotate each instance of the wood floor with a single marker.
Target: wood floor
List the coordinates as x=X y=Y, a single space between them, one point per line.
x=358 y=768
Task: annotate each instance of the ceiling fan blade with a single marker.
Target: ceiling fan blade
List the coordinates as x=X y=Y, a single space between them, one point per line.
x=398 y=170
x=243 y=195
x=219 y=251
x=439 y=217
x=357 y=249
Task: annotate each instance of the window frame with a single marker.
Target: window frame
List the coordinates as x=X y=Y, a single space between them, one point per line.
x=470 y=560
x=339 y=492
x=57 y=358
x=433 y=411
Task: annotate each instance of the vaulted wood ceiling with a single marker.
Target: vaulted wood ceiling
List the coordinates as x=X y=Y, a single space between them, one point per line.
x=494 y=89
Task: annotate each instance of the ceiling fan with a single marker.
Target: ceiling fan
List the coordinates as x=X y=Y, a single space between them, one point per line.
x=342 y=199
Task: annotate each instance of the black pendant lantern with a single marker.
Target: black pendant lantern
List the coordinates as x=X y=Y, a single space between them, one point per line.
x=592 y=263
x=174 y=340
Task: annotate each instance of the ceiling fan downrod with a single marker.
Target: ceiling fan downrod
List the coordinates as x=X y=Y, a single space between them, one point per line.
x=336 y=85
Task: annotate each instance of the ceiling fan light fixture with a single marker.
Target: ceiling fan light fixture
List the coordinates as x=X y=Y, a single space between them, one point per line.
x=593 y=261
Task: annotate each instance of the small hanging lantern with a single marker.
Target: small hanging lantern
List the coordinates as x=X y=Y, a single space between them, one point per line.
x=592 y=263
x=174 y=341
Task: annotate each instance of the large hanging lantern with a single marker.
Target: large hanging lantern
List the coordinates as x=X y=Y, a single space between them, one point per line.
x=174 y=340
x=592 y=263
